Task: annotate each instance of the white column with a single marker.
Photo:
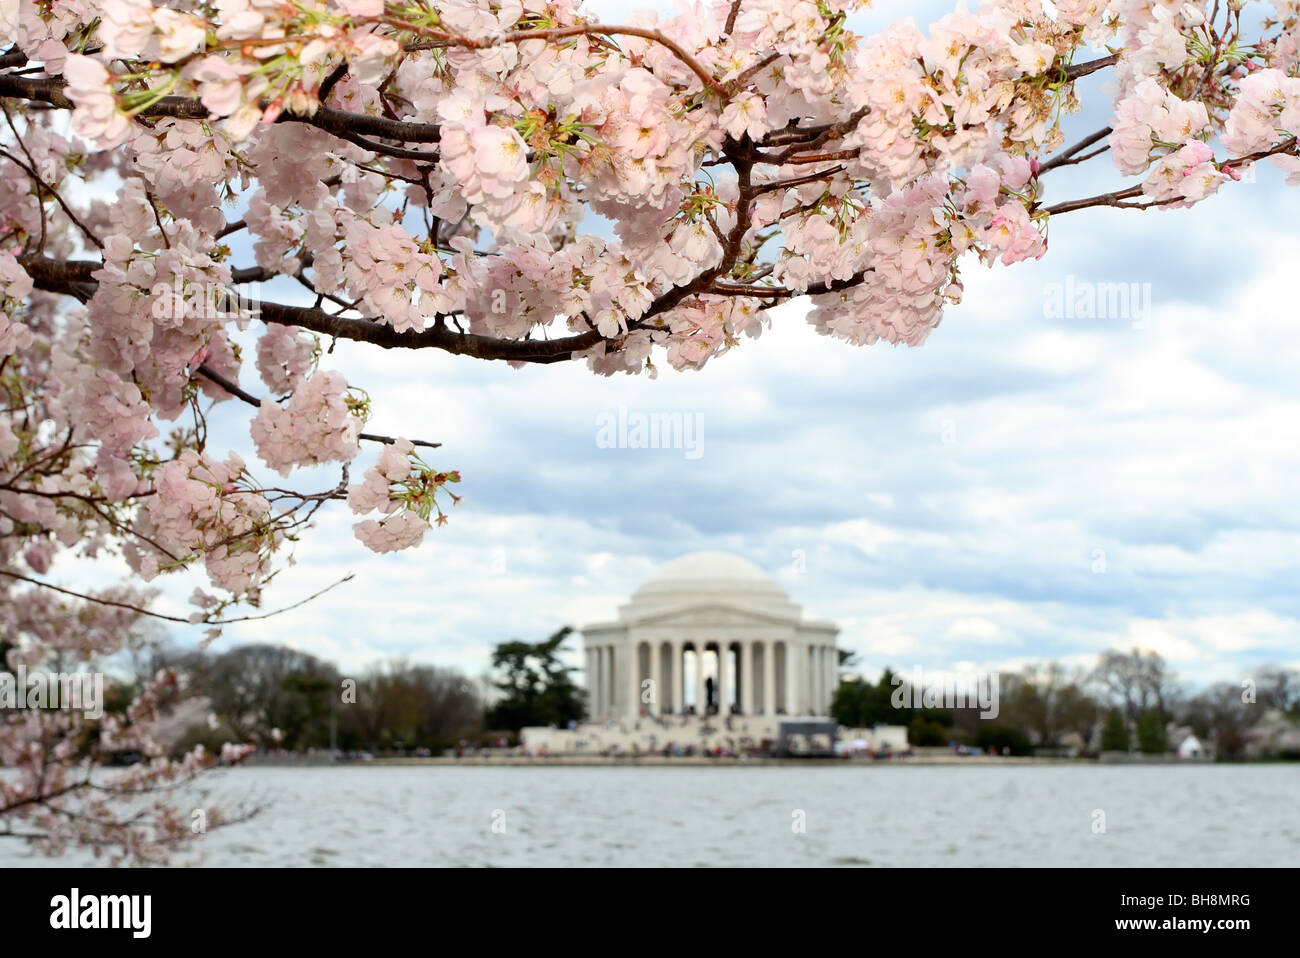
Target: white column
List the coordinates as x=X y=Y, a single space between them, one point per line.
x=608 y=681
x=826 y=670
x=723 y=655
x=656 y=706
x=817 y=670
x=793 y=705
x=769 y=678
x=747 y=676
x=590 y=673
x=633 y=680
x=676 y=671
x=598 y=704
x=821 y=679
x=700 y=700
x=826 y=680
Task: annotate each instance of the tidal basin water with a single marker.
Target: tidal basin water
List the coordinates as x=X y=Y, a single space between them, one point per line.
x=1204 y=815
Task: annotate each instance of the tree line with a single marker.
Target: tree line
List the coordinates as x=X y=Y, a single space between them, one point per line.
x=1125 y=702
x=280 y=698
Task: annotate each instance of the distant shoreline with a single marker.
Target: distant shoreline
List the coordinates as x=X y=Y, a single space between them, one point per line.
x=681 y=761
x=922 y=756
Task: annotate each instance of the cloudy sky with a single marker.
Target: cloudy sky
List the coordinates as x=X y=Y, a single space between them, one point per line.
x=1025 y=486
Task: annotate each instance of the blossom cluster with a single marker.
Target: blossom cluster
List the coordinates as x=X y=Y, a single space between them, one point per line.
x=404 y=489
x=205 y=507
x=971 y=89
x=908 y=250
x=1153 y=118
x=315 y=426
x=285 y=354
x=158 y=311
x=391 y=274
x=15 y=285
x=1265 y=114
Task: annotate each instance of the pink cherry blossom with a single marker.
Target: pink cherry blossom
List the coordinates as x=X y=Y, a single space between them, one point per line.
x=315 y=426
x=97 y=115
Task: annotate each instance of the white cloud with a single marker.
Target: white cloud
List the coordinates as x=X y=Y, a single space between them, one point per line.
x=976 y=628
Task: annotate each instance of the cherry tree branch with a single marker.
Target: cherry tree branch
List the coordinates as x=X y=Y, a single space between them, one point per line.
x=240 y=393
x=1077 y=71
x=339 y=122
x=1118 y=198
x=1071 y=155
x=710 y=82
x=172 y=618
x=73 y=277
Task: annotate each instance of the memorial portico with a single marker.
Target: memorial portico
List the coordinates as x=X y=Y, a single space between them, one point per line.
x=710 y=632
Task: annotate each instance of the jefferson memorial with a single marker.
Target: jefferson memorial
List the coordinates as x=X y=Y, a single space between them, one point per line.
x=710 y=633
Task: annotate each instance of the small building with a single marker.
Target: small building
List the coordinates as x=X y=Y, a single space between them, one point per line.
x=1191 y=747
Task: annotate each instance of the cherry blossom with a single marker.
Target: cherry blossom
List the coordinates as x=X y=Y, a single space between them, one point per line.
x=405 y=489
x=315 y=426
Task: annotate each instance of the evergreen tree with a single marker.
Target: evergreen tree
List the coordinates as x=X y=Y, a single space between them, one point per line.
x=1151 y=735
x=1114 y=733
x=538 y=688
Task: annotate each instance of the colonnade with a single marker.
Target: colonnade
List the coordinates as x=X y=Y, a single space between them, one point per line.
x=748 y=676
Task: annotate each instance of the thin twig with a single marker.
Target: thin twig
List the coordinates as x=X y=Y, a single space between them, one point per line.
x=240 y=393
x=172 y=618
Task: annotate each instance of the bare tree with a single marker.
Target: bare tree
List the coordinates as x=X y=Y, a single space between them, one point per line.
x=1135 y=682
